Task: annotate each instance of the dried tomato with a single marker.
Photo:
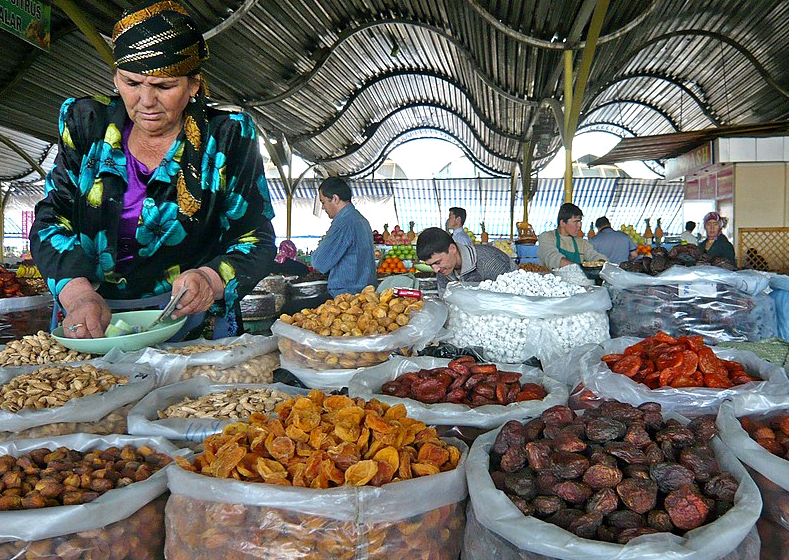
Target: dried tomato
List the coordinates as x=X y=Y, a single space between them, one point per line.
x=695 y=342
x=690 y=361
x=629 y=365
x=660 y=336
x=611 y=359
x=669 y=359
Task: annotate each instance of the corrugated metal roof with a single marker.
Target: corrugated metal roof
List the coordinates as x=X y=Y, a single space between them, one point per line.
x=346 y=81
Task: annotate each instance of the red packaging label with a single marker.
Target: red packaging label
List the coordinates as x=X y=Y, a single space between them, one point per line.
x=405 y=292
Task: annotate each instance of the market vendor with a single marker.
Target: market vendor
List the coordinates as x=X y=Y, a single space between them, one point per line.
x=346 y=252
x=618 y=246
x=285 y=263
x=153 y=190
x=716 y=244
x=464 y=263
x=565 y=245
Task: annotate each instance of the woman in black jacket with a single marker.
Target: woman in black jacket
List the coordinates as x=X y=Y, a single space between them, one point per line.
x=716 y=244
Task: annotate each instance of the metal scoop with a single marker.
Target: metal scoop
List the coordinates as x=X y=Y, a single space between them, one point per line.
x=168 y=310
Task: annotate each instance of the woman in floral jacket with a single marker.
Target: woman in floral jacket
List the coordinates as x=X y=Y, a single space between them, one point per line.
x=153 y=191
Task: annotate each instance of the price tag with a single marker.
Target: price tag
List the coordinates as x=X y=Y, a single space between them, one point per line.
x=697 y=289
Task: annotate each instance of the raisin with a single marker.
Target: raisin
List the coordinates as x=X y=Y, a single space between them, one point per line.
x=586 y=526
x=512 y=434
x=627 y=452
x=607 y=534
x=704 y=428
x=687 y=508
x=653 y=420
x=538 y=454
x=650 y=407
x=703 y=464
x=639 y=495
x=600 y=457
x=670 y=476
x=628 y=535
x=533 y=429
x=558 y=414
x=621 y=411
x=626 y=519
x=545 y=483
x=660 y=520
x=573 y=492
x=568 y=465
x=678 y=436
x=568 y=441
x=636 y=471
x=637 y=435
x=602 y=476
x=564 y=517
x=605 y=429
x=526 y=508
x=520 y=484
x=605 y=501
x=514 y=459
x=547 y=505
x=722 y=487
x=653 y=453
x=498 y=479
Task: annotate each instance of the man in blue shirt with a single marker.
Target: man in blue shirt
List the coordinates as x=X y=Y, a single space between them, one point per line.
x=616 y=245
x=346 y=251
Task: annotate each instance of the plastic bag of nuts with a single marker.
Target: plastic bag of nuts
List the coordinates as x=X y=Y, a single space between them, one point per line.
x=122 y=524
x=327 y=380
x=233 y=401
x=770 y=471
x=367 y=385
x=243 y=359
x=311 y=350
x=37 y=349
x=498 y=529
x=223 y=518
x=689 y=401
x=67 y=397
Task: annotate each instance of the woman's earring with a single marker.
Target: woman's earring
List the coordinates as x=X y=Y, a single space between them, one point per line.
x=193 y=100
x=114 y=90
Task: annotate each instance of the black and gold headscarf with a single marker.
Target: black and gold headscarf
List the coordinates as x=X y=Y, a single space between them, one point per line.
x=158 y=38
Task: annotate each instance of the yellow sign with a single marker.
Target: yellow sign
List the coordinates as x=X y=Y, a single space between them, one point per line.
x=27 y=19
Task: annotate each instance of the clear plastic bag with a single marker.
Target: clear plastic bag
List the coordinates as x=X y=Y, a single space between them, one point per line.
x=210 y=518
x=143 y=419
x=92 y=408
x=730 y=537
x=240 y=359
x=367 y=385
x=718 y=304
x=85 y=521
x=512 y=328
x=112 y=423
x=326 y=380
x=689 y=401
x=311 y=350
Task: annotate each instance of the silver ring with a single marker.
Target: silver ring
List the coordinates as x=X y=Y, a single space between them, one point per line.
x=74 y=327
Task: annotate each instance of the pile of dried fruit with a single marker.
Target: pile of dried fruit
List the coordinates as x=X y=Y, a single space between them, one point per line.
x=323 y=441
x=54 y=386
x=615 y=473
x=464 y=381
x=63 y=477
x=772 y=432
x=229 y=404
x=364 y=314
x=664 y=361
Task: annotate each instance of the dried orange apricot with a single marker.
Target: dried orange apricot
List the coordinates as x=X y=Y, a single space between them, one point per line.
x=361 y=473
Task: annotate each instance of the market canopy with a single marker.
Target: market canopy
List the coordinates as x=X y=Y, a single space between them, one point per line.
x=346 y=82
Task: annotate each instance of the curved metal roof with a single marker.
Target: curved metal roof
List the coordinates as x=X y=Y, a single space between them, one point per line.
x=347 y=81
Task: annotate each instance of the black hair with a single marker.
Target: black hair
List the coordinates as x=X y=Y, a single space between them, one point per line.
x=602 y=222
x=431 y=241
x=568 y=210
x=459 y=212
x=690 y=225
x=336 y=185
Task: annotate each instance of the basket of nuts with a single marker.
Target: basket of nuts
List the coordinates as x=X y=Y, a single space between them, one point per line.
x=327 y=477
x=84 y=496
x=618 y=481
x=191 y=410
x=61 y=399
x=358 y=330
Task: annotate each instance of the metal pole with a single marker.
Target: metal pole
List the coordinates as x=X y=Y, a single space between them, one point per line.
x=79 y=19
x=568 y=132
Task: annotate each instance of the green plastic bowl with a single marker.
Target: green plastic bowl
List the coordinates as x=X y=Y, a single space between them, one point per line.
x=422 y=267
x=128 y=342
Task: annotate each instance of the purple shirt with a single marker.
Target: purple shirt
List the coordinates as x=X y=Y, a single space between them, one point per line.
x=138 y=176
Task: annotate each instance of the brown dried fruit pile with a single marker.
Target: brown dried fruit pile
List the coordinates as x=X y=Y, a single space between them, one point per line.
x=323 y=441
x=770 y=432
x=664 y=361
x=464 y=381
x=614 y=473
x=63 y=477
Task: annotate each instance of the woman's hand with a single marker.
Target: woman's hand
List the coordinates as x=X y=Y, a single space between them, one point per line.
x=203 y=287
x=87 y=314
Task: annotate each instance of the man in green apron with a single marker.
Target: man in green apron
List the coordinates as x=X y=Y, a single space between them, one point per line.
x=566 y=245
